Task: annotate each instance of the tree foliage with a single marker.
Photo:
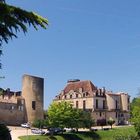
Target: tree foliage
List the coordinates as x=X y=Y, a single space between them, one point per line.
x=62 y=114
x=135 y=114
x=111 y=122
x=38 y=123
x=14 y=19
x=4 y=132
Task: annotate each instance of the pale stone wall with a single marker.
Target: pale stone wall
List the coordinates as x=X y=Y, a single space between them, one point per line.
x=96 y=115
x=100 y=102
x=111 y=101
x=124 y=102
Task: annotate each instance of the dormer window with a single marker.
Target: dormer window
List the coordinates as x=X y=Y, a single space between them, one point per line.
x=84 y=94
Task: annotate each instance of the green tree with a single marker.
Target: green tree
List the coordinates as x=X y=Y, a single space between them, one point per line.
x=85 y=119
x=111 y=122
x=135 y=114
x=62 y=114
x=4 y=132
x=14 y=19
x=38 y=123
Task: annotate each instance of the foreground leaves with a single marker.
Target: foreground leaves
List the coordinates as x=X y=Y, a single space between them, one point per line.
x=14 y=19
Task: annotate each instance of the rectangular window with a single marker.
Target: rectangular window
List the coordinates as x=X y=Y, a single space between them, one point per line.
x=84 y=105
x=128 y=100
x=116 y=104
x=96 y=104
x=103 y=104
x=76 y=104
x=70 y=96
x=83 y=94
x=100 y=114
x=76 y=95
x=116 y=114
x=33 y=105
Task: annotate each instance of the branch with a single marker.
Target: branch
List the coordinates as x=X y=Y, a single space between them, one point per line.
x=14 y=19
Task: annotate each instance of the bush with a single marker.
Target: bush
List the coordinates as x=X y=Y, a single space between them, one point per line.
x=4 y=132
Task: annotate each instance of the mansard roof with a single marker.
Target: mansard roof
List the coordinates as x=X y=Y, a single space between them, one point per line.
x=86 y=86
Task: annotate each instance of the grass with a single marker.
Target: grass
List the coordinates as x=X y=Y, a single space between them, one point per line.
x=98 y=135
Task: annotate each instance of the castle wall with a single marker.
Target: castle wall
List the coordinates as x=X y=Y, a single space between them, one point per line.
x=125 y=101
x=113 y=101
x=11 y=114
x=32 y=92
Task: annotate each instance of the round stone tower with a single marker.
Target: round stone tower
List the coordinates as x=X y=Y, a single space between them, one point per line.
x=125 y=101
x=33 y=93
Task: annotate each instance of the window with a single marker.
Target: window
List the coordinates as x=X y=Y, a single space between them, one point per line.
x=100 y=114
x=116 y=104
x=76 y=104
x=103 y=104
x=84 y=105
x=65 y=96
x=83 y=94
x=33 y=105
x=76 y=95
x=70 y=96
x=128 y=100
x=116 y=114
x=97 y=93
x=96 y=104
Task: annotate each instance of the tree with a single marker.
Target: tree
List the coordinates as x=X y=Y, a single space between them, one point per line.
x=85 y=120
x=62 y=114
x=38 y=123
x=14 y=19
x=111 y=122
x=4 y=132
x=135 y=114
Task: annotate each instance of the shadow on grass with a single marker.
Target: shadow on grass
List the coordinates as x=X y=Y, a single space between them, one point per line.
x=52 y=138
x=92 y=135
x=71 y=136
x=80 y=136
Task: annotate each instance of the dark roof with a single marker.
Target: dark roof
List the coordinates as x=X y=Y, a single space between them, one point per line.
x=86 y=86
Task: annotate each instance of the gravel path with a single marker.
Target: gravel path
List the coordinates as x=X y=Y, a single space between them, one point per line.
x=18 y=131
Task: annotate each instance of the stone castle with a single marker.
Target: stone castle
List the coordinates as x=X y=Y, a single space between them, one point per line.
x=27 y=105
x=23 y=106
x=101 y=103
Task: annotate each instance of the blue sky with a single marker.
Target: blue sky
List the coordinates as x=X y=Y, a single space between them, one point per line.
x=97 y=40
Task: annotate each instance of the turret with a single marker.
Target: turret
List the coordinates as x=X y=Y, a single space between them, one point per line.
x=32 y=92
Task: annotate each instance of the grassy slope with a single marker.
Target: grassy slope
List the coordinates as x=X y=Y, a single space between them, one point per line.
x=99 y=135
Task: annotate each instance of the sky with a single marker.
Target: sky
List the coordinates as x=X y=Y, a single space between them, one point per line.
x=96 y=40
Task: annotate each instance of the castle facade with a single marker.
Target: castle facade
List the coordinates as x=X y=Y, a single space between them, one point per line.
x=101 y=103
x=23 y=106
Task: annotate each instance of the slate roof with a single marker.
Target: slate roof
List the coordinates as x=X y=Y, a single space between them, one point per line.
x=87 y=86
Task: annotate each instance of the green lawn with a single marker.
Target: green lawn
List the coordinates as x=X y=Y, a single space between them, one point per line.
x=98 y=135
